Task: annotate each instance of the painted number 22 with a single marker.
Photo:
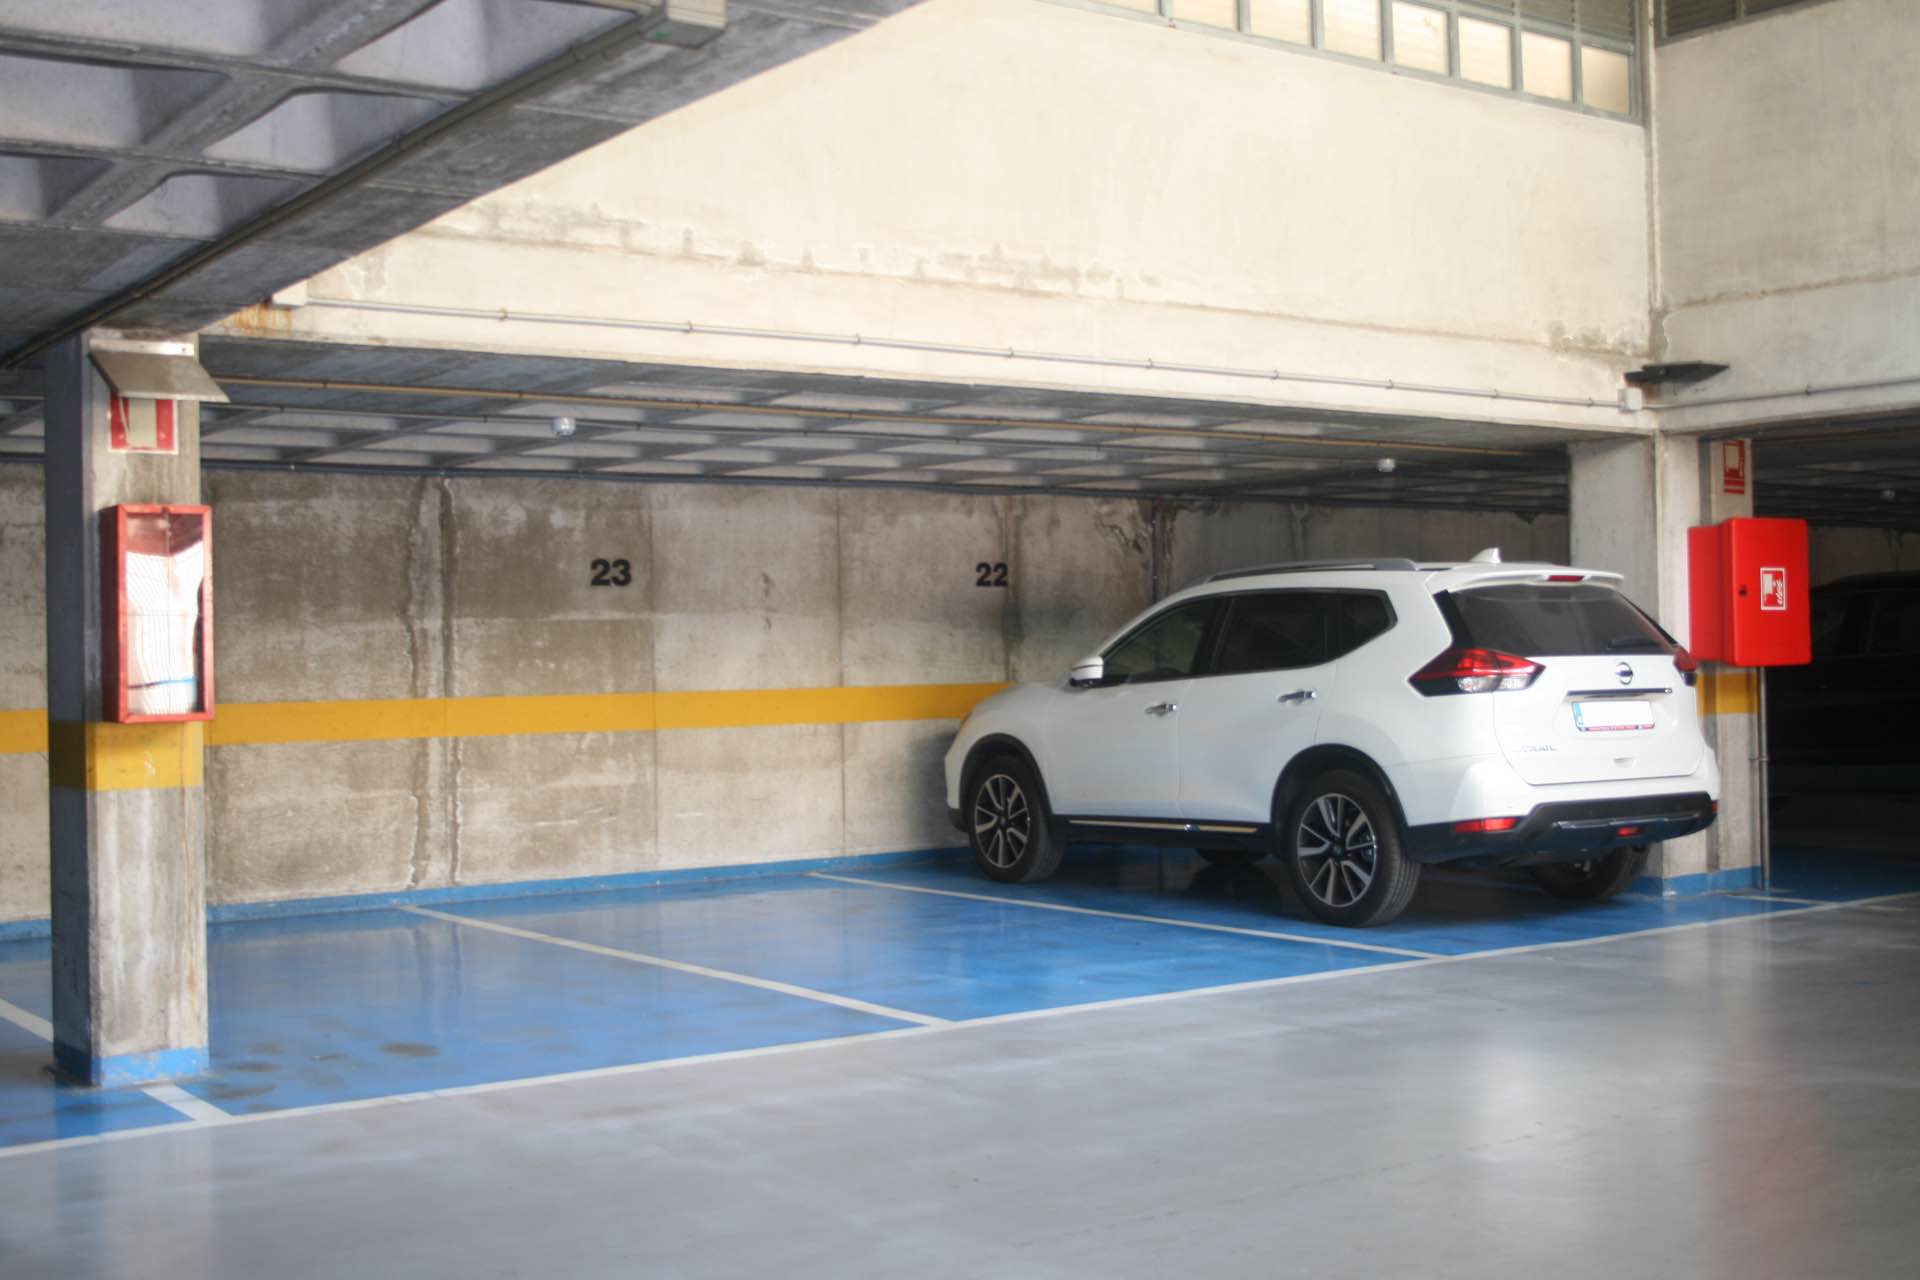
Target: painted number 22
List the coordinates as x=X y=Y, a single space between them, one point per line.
x=990 y=575
x=611 y=573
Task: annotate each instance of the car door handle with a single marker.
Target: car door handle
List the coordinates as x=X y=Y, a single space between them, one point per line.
x=1163 y=708
x=1299 y=695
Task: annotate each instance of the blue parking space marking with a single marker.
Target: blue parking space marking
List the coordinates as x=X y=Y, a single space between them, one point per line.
x=948 y=957
x=1450 y=915
x=1827 y=875
x=35 y=1107
x=335 y=1008
x=26 y=976
x=319 y=1010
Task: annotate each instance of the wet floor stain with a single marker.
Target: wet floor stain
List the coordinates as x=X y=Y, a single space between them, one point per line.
x=409 y=1049
x=251 y=1067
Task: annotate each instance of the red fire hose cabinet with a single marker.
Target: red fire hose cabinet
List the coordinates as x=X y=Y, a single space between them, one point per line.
x=1747 y=587
x=156 y=577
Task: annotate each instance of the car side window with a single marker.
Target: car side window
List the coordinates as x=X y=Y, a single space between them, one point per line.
x=1358 y=616
x=1164 y=648
x=1274 y=630
x=1896 y=624
x=1829 y=622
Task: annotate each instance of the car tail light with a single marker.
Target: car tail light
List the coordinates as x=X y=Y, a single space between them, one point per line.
x=1474 y=826
x=1684 y=662
x=1629 y=831
x=1474 y=671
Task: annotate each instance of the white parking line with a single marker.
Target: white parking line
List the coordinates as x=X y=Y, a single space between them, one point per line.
x=1127 y=915
x=170 y=1094
x=945 y=1028
x=31 y=1023
x=185 y=1103
x=679 y=966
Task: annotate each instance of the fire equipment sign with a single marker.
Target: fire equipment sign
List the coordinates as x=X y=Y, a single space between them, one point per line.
x=1773 y=589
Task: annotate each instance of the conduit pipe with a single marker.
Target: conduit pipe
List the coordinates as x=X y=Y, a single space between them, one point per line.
x=1148 y=363
x=1792 y=393
x=1145 y=363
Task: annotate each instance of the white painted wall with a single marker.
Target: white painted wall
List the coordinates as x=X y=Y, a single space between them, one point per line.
x=1788 y=182
x=1015 y=173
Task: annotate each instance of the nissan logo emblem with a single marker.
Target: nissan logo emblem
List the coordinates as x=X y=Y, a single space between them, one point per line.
x=1625 y=673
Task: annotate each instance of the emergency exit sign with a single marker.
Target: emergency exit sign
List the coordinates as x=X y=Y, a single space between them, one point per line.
x=1733 y=467
x=136 y=424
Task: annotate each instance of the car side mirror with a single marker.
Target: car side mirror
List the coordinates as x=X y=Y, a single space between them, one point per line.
x=1088 y=672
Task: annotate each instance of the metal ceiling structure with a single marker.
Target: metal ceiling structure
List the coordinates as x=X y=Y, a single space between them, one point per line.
x=321 y=406
x=1863 y=472
x=164 y=165
x=383 y=410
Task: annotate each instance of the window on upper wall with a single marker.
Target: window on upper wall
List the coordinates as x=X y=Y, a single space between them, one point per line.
x=1683 y=17
x=1570 y=53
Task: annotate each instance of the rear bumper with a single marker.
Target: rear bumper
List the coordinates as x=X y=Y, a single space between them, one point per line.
x=1567 y=832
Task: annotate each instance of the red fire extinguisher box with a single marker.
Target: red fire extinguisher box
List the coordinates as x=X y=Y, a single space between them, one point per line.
x=156 y=577
x=1747 y=582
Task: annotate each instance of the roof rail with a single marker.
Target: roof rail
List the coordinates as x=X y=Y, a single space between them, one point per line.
x=1309 y=566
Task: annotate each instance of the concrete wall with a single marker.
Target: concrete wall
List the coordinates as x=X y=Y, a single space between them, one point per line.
x=23 y=687
x=1009 y=173
x=360 y=593
x=1788 y=182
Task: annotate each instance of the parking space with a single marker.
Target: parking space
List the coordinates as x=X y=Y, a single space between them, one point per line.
x=352 y=1008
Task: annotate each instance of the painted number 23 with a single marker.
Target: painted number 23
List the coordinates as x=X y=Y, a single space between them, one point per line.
x=990 y=575
x=611 y=573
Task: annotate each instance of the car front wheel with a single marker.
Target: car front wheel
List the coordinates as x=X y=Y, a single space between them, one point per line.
x=1343 y=854
x=1007 y=823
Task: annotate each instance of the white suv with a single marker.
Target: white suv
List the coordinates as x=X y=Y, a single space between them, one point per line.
x=1361 y=719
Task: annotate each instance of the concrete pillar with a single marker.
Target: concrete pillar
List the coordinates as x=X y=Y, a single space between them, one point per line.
x=127 y=817
x=1630 y=504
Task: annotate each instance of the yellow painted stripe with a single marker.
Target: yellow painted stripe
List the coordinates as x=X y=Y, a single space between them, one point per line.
x=236 y=722
x=23 y=733
x=125 y=757
x=386 y=719
x=1727 y=693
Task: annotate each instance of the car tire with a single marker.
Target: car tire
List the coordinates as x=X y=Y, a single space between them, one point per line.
x=1594 y=880
x=1341 y=841
x=1232 y=857
x=1008 y=825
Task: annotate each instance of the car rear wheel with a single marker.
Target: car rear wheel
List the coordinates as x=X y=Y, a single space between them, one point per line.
x=1007 y=823
x=1342 y=845
x=1594 y=879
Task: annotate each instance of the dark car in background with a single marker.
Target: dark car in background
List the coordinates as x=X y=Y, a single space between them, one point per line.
x=1850 y=719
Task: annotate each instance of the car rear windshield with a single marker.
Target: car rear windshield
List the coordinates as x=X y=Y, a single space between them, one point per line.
x=1539 y=620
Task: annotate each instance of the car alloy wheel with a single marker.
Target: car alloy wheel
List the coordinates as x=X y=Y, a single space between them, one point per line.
x=1002 y=821
x=1008 y=824
x=1337 y=850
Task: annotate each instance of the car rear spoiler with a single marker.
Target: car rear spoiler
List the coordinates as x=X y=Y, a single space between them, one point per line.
x=1542 y=573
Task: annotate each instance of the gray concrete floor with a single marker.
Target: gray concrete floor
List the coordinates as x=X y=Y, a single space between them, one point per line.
x=1741 y=1099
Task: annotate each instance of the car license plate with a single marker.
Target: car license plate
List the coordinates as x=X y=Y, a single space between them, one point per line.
x=1608 y=715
